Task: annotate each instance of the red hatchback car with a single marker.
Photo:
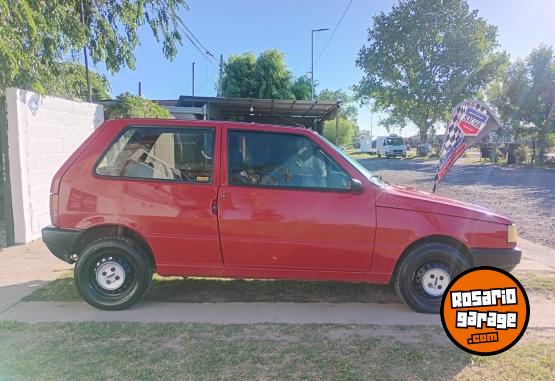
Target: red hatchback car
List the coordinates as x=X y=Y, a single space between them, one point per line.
x=237 y=200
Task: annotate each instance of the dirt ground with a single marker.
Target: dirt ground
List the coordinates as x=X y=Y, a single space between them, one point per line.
x=526 y=195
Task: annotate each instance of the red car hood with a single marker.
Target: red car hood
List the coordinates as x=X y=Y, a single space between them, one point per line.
x=399 y=197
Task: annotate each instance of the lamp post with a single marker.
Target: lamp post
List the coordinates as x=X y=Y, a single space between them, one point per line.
x=312 y=57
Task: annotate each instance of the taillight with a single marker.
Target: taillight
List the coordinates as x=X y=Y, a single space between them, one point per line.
x=512 y=234
x=54 y=216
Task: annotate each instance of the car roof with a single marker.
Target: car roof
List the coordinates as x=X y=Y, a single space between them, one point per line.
x=211 y=123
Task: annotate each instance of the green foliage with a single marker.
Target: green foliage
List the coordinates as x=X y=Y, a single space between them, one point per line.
x=272 y=77
x=238 y=80
x=521 y=154
x=301 y=88
x=424 y=57
x=524 y=96
x=346 y=131
x=68 y=80
x=265 y=77
x=134 y=106
x=37 y=34
x=349 y=109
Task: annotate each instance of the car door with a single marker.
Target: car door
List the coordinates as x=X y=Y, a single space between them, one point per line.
x=284 y=203
x=161 y=180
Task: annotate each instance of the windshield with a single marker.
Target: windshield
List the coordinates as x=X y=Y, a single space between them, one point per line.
x=355 y=163
x=394 y=141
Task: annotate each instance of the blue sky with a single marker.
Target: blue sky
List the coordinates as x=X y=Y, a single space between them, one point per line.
x=238 y=26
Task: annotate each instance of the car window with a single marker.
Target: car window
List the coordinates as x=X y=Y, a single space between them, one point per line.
x=161 y=153
x=394 y=141
x=281 y=160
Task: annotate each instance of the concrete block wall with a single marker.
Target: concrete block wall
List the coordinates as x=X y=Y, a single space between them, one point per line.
x=43 y=131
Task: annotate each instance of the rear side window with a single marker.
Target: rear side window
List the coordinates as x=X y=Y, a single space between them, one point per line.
x=161 y=153
x=281 y=160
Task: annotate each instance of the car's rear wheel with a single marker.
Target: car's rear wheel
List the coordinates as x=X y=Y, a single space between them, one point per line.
x=113 y=273
x=424 y=273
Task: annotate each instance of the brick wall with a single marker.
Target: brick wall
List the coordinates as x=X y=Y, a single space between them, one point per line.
x=42 y=132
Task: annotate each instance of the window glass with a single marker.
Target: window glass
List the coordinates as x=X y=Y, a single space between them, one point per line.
x=281 y=160
x=161 y=153
x=395 y=141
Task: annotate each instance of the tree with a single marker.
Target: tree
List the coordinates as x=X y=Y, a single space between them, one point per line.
x=238 y=80
x=37 y=34
x=262 y=77
x=301 y=88
x=348 y=106
x=524 y=96
x=134 y=106
x=426 y=56
x=346 y=131
x=273 y=79
x=67 y=80
x=349 y=110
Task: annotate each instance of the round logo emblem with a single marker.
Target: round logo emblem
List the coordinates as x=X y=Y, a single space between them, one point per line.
x=485 y=311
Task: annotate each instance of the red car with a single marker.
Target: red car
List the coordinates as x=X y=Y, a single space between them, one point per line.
x=237 y=200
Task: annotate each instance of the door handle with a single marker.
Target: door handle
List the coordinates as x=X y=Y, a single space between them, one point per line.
x=215 y=206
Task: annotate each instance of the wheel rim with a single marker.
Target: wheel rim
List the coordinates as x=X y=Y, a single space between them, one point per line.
x=432 y=279
x=112 y=275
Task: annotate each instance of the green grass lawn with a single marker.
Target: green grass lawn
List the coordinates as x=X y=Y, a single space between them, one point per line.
x=195 y=290
x=124 y=351
x=537 y=283
x=226 y=290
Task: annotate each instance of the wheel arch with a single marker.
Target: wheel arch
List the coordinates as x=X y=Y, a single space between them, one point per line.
x=435 y=239
x=101 y=231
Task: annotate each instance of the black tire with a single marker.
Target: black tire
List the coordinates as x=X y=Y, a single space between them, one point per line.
x=379 y=156
x=123 y=254
x=422 y=262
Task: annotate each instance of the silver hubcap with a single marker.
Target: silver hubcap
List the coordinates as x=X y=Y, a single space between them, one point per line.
x=110 y=275
x=435 y=281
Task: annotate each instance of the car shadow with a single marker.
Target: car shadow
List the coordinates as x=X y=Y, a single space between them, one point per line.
x=218 y=290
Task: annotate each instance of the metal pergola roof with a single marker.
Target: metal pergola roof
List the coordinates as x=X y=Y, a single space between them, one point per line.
x=293 y=112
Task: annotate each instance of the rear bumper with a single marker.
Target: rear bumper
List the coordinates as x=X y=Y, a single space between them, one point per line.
x=505 y=259
x=60 y=242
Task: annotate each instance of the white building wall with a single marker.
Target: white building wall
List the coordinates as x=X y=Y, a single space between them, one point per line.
x=43 y=131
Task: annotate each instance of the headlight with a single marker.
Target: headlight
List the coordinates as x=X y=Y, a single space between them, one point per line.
x=512 y=235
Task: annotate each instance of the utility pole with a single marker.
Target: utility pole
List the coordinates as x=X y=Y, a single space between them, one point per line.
x=140 y=90
x=312 y=57
x=89 y=90
x=371 y=126
x=193 y=82
x=221 y=75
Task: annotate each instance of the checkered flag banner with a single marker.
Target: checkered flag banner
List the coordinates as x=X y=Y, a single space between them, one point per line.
x=470 y=122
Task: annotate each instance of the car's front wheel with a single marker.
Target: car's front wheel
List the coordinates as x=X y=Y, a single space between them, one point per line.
x=424 y=273
x=112 y=273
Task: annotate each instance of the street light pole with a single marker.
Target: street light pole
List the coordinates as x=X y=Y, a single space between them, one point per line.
x=312 y=57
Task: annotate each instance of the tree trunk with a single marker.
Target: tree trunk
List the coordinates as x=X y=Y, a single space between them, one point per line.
x=544 y=133
x=541 y=146
x=423 y=134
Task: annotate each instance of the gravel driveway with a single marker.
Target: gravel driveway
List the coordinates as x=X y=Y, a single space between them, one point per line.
x=526 y=195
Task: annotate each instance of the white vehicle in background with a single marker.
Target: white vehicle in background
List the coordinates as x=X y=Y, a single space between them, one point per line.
x=365 y=143
x=389 y=146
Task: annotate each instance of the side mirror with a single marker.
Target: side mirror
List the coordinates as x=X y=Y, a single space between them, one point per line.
x=355 y=186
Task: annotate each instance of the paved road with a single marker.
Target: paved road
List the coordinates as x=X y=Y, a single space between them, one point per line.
x=526 y=195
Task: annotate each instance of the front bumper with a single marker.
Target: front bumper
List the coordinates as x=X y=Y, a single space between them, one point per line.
x=505 y=259
x=60 y=242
